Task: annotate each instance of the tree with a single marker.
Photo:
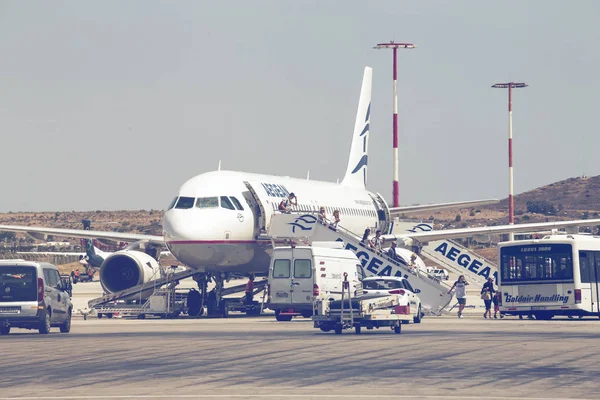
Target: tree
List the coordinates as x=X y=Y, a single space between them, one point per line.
x=541 y=207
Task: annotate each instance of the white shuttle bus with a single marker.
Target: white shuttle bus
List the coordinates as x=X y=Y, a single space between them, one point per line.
x=555 y=275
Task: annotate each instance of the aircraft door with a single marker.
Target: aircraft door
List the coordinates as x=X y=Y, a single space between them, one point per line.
x=261 y=206
x=383 y=212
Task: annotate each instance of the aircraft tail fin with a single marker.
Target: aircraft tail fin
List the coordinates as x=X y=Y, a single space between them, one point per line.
x=356 y=171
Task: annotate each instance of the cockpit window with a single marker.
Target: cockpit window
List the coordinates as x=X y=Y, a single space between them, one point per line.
x=185 y=202
x=172 y=204
x=207 y=202
x=238 y=205
x=226 y=203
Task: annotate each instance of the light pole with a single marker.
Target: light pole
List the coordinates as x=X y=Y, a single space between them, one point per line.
x=511 y=203
x=395 y=46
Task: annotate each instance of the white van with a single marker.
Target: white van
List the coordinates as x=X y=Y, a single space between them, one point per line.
x=33 y=296
x=299 y=275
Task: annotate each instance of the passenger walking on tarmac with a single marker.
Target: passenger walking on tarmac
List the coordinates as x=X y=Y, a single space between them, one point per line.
x=250 y=290
x=336 y=220
x=286 y=204
x=322 y=218
x=487 y=291
x=365 y=239
x=460 y=287
x=496 y=299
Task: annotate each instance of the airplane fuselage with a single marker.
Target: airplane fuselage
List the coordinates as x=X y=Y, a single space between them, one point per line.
x=214 y=222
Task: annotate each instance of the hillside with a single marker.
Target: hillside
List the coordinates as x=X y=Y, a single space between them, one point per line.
x=572 y=198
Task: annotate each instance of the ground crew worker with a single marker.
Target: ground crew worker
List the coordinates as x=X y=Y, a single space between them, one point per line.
x=76 y=275
x=250 y=290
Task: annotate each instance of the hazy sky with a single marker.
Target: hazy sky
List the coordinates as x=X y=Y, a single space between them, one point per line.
x=113 y=105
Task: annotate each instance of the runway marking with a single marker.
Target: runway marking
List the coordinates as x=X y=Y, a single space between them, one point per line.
x=299 y=396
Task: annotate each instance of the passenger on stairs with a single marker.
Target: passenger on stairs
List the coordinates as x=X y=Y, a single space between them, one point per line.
x=286 y=204
x=336 y=219
x=365 y=239
x=322 y=218
x=376 y=242
x=392 y=252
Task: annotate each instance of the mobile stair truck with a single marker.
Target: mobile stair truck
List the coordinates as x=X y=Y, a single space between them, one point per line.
x=361 y=312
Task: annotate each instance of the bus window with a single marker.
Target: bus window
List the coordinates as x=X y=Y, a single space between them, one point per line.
x=536 y=263
x=585 y=267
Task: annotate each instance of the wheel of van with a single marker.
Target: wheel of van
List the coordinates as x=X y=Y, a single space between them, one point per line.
x=283 y=318
x=357 y=329
x=325 y=328
x=338 y=329
x=417 y=318
x=4 y=330
x=45 y=323
x=398 y=329
x=66 y=326
x=307 y=314
x=109 y=315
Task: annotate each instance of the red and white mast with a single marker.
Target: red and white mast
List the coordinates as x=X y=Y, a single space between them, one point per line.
x=395 y=46
x=511 y=203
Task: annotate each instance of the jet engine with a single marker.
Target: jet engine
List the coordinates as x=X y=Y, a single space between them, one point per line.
x=125 y=269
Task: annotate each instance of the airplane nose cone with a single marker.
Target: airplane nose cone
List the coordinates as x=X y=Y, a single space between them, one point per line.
x=177 y=226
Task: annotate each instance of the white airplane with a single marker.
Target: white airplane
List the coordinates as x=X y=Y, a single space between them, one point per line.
x=215 y=223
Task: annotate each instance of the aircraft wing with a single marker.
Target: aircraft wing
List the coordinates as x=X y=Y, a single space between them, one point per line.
x=430 y=236
x=86 y=234
x=439 y=206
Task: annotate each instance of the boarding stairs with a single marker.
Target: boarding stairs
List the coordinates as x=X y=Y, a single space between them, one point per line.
x=434 y=293
x=451 y=255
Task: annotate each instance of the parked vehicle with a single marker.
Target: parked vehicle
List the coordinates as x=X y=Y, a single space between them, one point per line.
x=299 y=275
x=394 y=285
x=33 y=296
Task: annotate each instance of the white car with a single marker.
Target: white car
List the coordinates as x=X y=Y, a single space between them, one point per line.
x=441 y=274
x=386 y=285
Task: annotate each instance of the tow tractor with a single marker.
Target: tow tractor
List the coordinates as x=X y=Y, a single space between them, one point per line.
x=361 y=312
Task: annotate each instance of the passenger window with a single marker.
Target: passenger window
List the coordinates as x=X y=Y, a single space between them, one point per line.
x=172 y=203
x=207 y=202
x=226 y=203
x=281 y=269
x=302 y=269
x=185 y=202
x=237 y=204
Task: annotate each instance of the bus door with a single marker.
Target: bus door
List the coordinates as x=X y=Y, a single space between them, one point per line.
x=589 y=269
x=595 y=282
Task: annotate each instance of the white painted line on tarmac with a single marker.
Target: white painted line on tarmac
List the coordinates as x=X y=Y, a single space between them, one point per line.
x=298 y=396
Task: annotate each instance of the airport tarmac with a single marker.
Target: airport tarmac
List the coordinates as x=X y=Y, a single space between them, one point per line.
x=239 y=357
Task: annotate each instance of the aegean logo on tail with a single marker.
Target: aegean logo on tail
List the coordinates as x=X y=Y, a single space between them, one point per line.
x=364 y=159
x=304 y=222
